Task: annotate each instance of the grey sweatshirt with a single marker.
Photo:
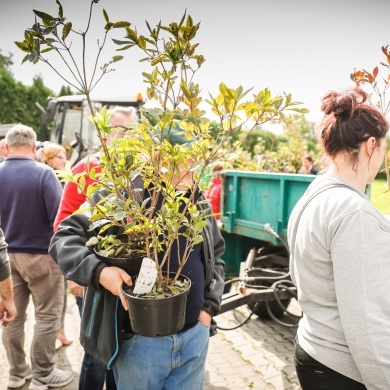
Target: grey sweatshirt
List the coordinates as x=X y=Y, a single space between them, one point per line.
x=340 y=263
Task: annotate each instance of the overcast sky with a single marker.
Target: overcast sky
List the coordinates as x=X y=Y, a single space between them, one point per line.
x=303 y=47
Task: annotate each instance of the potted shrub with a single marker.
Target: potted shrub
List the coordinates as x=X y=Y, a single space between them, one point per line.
x=146 y=198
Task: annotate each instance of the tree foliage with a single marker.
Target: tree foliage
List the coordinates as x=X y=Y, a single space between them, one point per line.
x=18 y=101
x=265 y=151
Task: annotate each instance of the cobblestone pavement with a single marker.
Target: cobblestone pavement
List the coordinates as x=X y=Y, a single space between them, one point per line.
x=257 y=355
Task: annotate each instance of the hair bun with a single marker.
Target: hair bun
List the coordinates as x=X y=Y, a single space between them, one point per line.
x=343 y=103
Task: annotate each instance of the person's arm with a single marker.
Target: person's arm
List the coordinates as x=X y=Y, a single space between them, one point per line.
x=214 y=291
x=78 y=262
x=67 y=247
x=5 y=270
x=7 y=305
x=361 y=264
x=70 y=201
x=52 y=192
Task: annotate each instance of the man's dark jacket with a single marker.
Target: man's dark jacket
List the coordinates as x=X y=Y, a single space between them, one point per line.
x=102 y=315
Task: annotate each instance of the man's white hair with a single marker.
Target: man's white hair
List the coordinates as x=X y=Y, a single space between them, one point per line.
x=20 y=135
x=130 y=111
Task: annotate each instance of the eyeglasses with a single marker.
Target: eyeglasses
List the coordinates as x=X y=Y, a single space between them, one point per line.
x=120 y=127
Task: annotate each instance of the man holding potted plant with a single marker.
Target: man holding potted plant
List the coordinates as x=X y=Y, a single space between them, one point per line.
x=173 y=361
x=93 y=371
x=148 y=189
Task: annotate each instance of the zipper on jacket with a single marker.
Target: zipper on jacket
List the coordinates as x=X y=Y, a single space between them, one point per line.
x=209 y=254
x=95 y=300
x=111 y=361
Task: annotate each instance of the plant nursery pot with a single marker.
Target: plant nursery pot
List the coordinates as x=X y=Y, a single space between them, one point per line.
x=130 y=265
x=157 y=317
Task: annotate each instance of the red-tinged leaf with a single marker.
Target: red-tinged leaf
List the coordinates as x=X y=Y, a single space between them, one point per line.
x=375 y=72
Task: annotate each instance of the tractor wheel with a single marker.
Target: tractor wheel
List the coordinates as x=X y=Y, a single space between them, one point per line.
x=260 y=308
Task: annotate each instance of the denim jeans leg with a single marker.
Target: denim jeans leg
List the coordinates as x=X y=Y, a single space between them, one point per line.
x=110 y=380
x=93 y=373
x=189 y=359
x=79 y=303
x=170 y=362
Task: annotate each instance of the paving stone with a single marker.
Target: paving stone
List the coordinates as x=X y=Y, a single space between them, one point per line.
x=255 y=356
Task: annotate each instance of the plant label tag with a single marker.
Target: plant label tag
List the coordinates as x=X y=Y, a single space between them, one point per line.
x=146 y=278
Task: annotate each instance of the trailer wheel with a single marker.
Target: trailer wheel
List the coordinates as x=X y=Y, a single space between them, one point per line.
x=260 y=308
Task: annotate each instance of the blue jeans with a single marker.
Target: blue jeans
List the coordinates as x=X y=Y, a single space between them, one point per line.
x=93 y=371
x=169 y=363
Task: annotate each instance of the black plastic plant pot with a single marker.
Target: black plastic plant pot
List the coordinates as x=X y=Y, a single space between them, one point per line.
x=157 y=317
x=130 y=265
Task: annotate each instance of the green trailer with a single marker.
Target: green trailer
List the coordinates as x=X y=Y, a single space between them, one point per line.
x=255 y=208
x=252 y=203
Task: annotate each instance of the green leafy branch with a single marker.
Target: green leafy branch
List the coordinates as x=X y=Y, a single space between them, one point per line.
x=362 y=78
x=171 y=173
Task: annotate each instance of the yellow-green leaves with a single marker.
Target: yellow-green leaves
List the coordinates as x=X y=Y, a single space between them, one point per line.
x=23 y=46
x=105 y=15
x=164 y=208
x=60 y=9
x=66 y=30
x=101 y=119
x=44 y=16
x=131 y=34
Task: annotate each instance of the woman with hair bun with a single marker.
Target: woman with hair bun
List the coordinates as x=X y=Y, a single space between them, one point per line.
x=340 y=255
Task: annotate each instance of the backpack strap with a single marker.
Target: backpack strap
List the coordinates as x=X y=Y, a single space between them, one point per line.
x=308 y=200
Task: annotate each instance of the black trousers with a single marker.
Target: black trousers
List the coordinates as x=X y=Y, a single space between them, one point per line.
x=313 y=375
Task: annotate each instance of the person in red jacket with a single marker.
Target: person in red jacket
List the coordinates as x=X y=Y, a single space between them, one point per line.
x=93 y=372
x=71 y=199
x=215 y=188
